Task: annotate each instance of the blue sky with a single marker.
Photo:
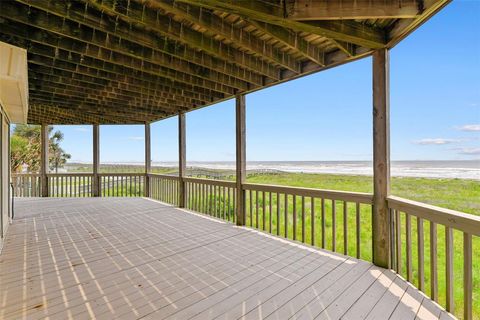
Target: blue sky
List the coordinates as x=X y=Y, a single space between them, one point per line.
x=435 y=109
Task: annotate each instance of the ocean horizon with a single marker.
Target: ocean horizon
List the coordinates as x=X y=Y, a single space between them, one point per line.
x=460 y=169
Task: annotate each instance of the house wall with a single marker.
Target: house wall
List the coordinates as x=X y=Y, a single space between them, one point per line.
x=5 y=208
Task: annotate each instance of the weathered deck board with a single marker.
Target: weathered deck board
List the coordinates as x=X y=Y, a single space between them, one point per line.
x=131 y=258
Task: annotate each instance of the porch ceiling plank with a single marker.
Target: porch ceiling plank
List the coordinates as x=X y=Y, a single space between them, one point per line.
x=353 y=9
x=103 y=105
x=101 y=111
x=104 y=18
x=75 y=69
x=120 y=91
x=93 y=48
x=93 y=34
x=347 y=31
x=144 y=106
x=95 y=91
x=292 y=40
x=153 y=20
x=151 y=59
x=218 y=26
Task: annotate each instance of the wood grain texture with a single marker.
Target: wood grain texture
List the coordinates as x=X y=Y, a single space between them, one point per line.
x=152 y=261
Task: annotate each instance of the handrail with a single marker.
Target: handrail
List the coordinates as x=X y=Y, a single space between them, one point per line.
x=454 y=219
x=221 y=183
x=360 y=197
x=163 y=176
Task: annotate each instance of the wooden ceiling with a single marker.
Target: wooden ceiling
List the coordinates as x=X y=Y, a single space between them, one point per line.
x=137 y=61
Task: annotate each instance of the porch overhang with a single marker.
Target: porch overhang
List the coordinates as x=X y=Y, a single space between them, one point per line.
x=137 y=61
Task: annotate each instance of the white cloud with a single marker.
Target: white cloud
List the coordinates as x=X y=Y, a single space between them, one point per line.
x=435 y=141
x=81 y=129
x=470 y=127
x=469 y=151
x=135 y=138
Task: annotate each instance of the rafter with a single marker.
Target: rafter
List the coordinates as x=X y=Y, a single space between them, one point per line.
x=90 y=49
x=353 y=9
x=114 y=90
x=347 y=31
x=46 y=68
x=218 y=26
x=102 y=17
x=97 y=31
x=291 y=40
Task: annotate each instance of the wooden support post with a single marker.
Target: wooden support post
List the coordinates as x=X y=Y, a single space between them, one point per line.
x=96 y=161
x=381 y=158
x=241 y=159
x=44 y=159
x=148 y=160
x=182 y=159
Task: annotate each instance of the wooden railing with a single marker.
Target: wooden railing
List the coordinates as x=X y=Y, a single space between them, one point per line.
x=27 y=185
x=121 y=184
x=425 y=249
x=335 y=220
x=213 y=197
x=424 y=239
x=80 y=184
x=70 y=185
x=164 y=188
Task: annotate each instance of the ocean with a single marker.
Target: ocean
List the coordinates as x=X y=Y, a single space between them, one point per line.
x=461 y=169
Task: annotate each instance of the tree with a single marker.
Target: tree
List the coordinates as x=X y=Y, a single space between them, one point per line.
x=26 y=148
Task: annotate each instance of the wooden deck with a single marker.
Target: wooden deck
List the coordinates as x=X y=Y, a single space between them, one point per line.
x=109 y=258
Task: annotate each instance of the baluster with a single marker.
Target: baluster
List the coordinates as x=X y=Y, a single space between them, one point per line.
x=312 y=213
x=449 y=268
x=294 y=200
x=256 y=208
x=421 y=253
x=303 y=218
x=278 y=214
x=224 y=203
x=398 y=233
x=345 y=228
x=323 y=222
x=357 y=226
x=286 y=215
x=408 y=231
x=251 y=210
x=263 y=210
x=270 y=212
x=334 y=227
x=433 y=262
x=467 y=277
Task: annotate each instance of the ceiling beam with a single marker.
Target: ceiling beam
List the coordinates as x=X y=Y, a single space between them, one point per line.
x=111 y=34
x=353 y=9
x=347 y=31
x=92 y=46
x=218 y=26
x=104 y=17
x=292 y=40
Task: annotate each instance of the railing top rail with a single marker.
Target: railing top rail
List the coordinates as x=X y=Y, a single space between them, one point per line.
x=222 y=183
x=123 y=174
x=465 y=222
x=163 y=176
x=70 y=174
x=26 y=175
x=359 y=197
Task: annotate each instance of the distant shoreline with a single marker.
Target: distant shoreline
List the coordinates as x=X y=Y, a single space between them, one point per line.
x=451 y=169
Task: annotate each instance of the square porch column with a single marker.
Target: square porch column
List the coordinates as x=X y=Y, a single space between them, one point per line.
x=241 y=159
x=96 y=161
x=44 y=159
x=182 y=159
x=148 y=160
x=381 y=159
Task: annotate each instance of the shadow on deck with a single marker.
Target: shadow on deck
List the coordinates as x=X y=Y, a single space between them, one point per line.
x=134 y=258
